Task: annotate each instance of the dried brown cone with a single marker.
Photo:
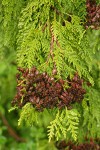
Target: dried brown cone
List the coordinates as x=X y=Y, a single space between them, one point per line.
x=93 y=15
x=90 y=145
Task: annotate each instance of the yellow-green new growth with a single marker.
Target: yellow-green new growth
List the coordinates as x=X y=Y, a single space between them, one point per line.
x=65 y=121
x=28 y=115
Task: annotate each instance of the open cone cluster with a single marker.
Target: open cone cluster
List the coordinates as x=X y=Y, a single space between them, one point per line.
x=83 y=146
x=93 y=14
x=43 y=91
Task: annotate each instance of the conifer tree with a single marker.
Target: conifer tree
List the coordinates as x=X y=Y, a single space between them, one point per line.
x=58 y=64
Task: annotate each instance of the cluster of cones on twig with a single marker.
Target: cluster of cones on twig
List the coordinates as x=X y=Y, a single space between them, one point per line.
x=43 y=91
x=93 y=14
x=87 y=145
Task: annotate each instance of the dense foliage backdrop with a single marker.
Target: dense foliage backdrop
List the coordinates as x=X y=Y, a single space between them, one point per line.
x=24 y=28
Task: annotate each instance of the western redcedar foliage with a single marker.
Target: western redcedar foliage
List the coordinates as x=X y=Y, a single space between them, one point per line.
x=56 y=36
